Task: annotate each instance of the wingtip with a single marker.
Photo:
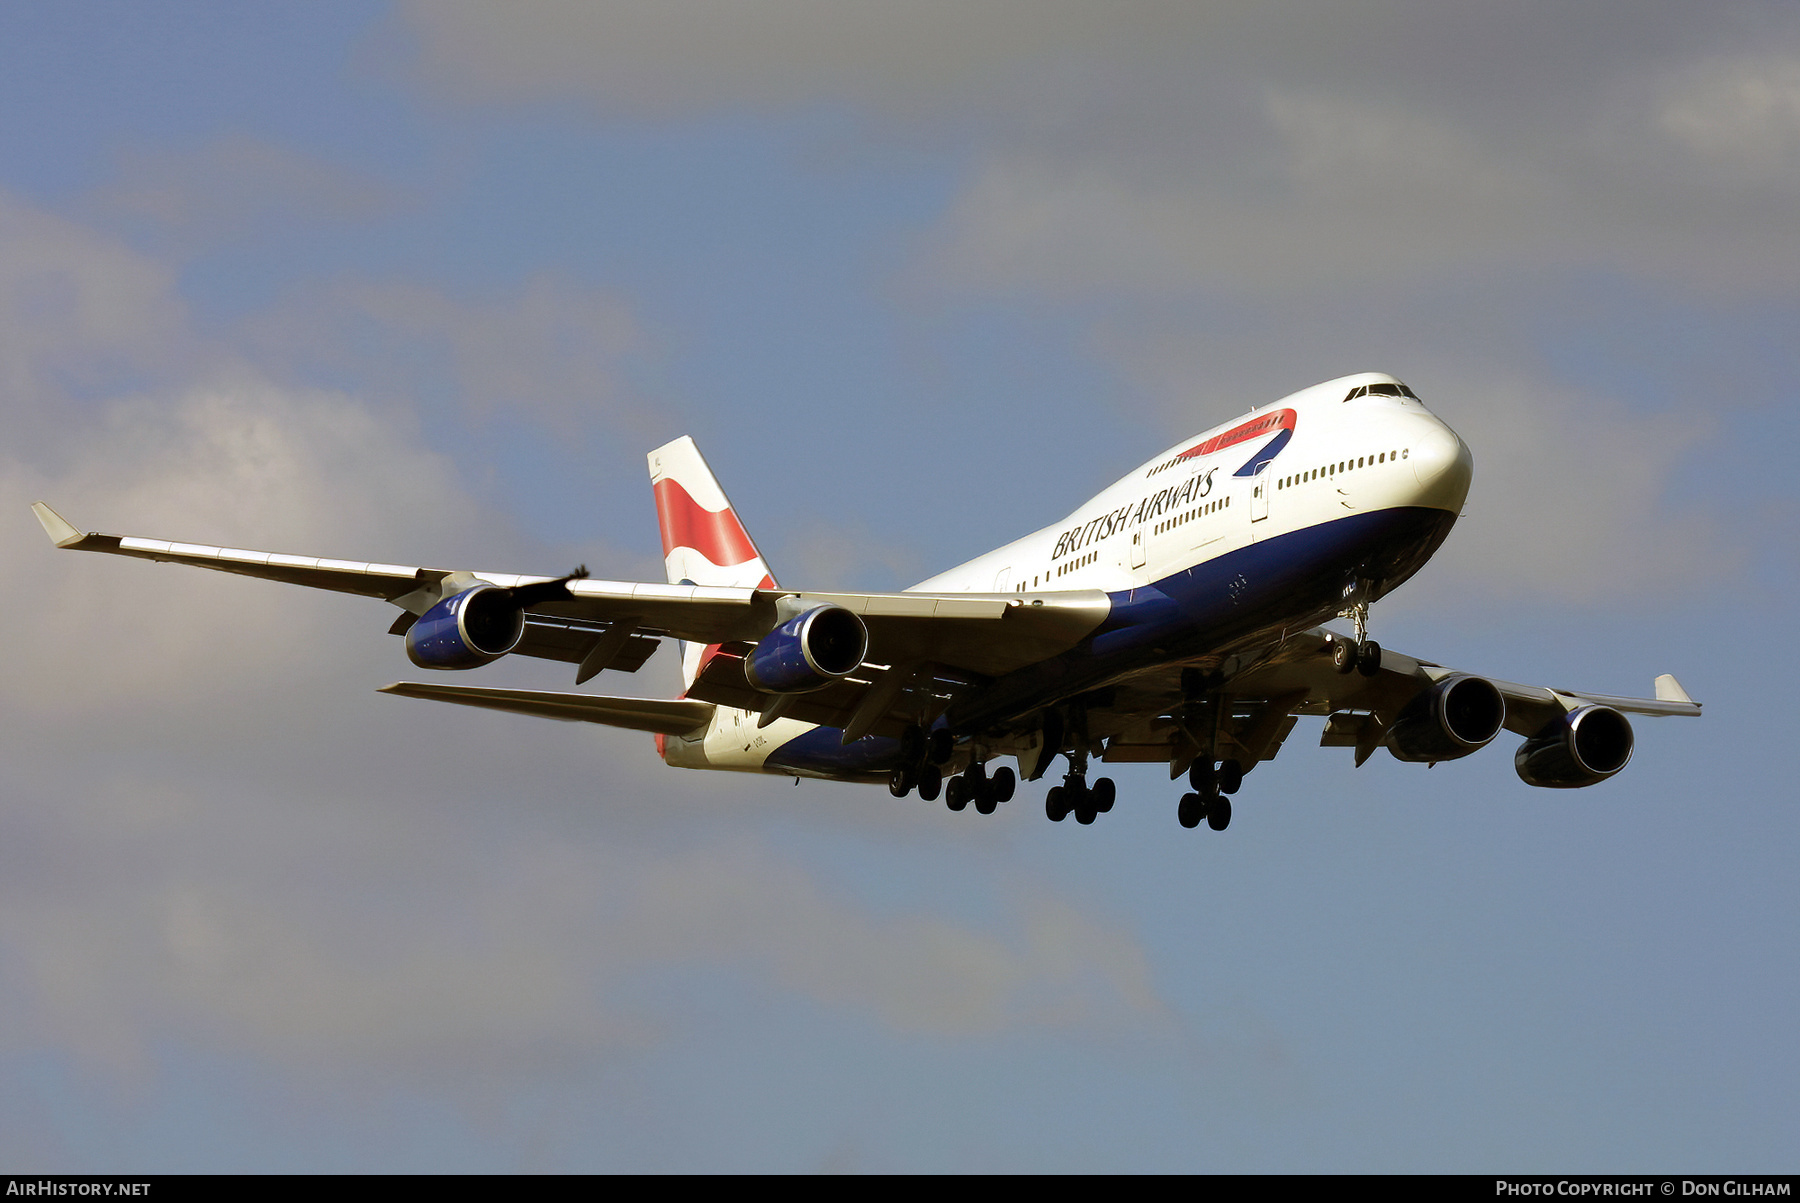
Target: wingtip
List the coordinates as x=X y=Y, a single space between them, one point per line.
x=61 y=531
x=1668 y=689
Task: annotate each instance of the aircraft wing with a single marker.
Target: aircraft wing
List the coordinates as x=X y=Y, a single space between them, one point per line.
x=984 y=634
x=1266 y=689
x=1303 y=663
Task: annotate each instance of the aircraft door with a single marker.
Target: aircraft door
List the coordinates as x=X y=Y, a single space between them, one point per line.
x=1260 y=484
x=1137 y=546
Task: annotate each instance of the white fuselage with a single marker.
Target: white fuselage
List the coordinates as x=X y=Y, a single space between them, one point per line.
x=1397 y=454
x=1342 y=456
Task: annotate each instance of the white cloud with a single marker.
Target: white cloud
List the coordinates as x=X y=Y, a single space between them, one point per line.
x=78 y=309
x=685 y=56
x=1741 y=112
x=552 y=353
x=1339 y=190
x=1570 y=502
x=235 y=184
x=917 y=972
x=241 y=463
x=346 y=935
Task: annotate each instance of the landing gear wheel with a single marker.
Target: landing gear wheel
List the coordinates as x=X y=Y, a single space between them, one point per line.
x=1191 y=811
x=1103 y=794
x=1218 y=815
x=1055 y=808
x=985 y=802
x=1231 y=777
x=931 y=780
x=1084 y=808
x=1002 y=783
x=1368 y=658
x=1203 y=777
x=939 y=747
x=900 y=782
x=956 y=793
x=1343 y=655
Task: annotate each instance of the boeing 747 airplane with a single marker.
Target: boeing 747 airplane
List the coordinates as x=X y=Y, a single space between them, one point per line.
x=1171 y=619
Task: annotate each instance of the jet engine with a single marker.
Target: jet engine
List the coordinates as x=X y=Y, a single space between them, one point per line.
x=1458 y=715
x=808 y=651
x=467 y=629
x=1583 y=747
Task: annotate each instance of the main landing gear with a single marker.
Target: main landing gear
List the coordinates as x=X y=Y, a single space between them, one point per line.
x=974 y=785
x=1208 y=801
x=923 y=755
x=1075 y=796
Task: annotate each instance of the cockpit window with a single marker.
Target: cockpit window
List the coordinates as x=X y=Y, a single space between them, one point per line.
x=1381 y=390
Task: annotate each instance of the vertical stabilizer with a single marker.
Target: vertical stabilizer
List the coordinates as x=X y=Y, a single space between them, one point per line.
x=703 y=541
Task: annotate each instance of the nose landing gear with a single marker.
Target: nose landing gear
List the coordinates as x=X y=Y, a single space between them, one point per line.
x=1361 y=654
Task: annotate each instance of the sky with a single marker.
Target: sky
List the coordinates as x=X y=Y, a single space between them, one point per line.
x=421 y=283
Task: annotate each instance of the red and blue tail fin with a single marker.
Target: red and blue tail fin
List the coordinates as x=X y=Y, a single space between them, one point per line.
x=703 y=541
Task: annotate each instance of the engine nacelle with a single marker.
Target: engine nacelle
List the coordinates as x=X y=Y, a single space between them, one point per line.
x=467 y=629
x=1583 y=747
x=808 y=651
x=1458 y=715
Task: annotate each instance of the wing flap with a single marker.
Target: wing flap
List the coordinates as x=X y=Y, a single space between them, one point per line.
x=571 y=641
x=920 y=697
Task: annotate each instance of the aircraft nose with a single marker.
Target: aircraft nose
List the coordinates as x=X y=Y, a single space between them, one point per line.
x=1443 y=465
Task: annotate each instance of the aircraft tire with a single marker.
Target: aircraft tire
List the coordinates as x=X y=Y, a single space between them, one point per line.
x=986 y=803
x=900 y=782
x=1192 y=811
x=1002 y=783
x=1218 y=815
x=940 y=747
x=1368 y=658
x=1203 y=776
x=931 y=782
x=1231 y=777
x=956 y=793
x=1343 y=655
x=912 y=744
x=1054 y=810
x=1103 y=793
x=1085 y=812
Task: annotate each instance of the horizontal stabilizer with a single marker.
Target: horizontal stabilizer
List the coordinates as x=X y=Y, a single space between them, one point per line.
x=663 y=715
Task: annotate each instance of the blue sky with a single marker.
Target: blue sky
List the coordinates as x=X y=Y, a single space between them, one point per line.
x=421 y=283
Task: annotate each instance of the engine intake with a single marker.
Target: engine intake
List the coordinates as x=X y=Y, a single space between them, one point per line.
x=808 y=651
x=1583 y=747
x=467 y=629
x=1458 y=715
